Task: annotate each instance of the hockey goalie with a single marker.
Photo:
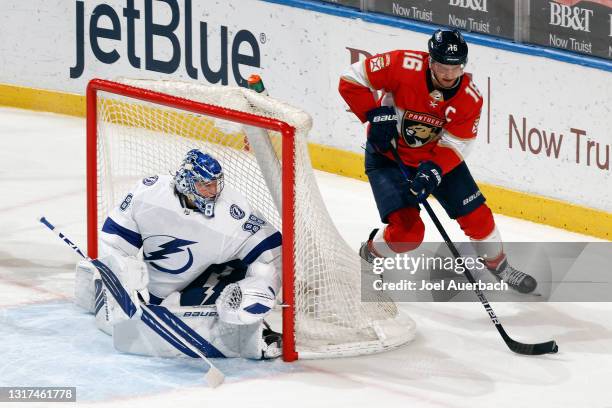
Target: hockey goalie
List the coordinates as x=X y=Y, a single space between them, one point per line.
x=198 y=256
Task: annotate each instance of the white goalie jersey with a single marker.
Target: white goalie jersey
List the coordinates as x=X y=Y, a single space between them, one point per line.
x=178 y=244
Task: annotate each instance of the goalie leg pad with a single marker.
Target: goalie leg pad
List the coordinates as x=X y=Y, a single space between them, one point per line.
x=215 y=338
x=85 y=293
x=104 y=311
x=91 y=295
x=118 y=297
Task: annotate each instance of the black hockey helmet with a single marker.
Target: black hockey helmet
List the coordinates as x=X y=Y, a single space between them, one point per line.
x=448 y=47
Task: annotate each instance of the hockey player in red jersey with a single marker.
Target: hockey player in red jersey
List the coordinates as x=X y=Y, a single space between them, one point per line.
x=430 y=108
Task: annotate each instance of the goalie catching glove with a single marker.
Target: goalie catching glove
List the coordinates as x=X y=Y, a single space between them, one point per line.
x=248 y=301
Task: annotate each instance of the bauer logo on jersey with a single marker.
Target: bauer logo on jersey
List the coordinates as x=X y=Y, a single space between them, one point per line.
x=167 y=253
x=236 y=212
x=378 y=63
x=418 y=129
x=149 y=181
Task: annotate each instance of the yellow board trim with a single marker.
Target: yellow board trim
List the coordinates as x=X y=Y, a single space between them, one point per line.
x=542 y=210
x=530 y=207
x=42 y=100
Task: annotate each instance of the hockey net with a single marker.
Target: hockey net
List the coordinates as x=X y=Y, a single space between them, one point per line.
x=140 y=128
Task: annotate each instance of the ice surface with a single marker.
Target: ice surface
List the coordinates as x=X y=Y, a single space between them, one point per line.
x=456 y=360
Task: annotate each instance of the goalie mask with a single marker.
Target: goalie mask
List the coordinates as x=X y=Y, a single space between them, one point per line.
x=200 y=179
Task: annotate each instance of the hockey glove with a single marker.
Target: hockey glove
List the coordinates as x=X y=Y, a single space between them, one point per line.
x=383 y=127
x=428 y=177
x=247 y=301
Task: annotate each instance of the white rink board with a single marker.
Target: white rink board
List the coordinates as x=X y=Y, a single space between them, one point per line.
x=302 y=55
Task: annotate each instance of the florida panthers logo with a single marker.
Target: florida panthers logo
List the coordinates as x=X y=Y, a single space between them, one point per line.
x=167 y=253
x=418 y=129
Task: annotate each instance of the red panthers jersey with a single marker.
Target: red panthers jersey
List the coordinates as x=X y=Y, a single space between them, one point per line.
x=436 y=125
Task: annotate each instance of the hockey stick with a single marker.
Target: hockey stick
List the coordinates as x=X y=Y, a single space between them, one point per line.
x=517 y=347
x=214 y=377
x=61 y=236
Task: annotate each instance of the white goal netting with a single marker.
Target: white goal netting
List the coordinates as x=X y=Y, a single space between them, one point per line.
x=136 y=139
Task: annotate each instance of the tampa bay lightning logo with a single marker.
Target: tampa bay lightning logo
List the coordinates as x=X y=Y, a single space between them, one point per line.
x=236 y=212
x=169 y=251
x=149 y=181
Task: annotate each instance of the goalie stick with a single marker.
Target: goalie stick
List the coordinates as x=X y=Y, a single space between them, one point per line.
x=518 y=347
x=214 y=377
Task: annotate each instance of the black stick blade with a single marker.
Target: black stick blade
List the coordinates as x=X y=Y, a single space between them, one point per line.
x=549 y=347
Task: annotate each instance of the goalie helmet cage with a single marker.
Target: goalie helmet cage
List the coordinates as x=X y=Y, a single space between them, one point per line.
x=140 y=128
